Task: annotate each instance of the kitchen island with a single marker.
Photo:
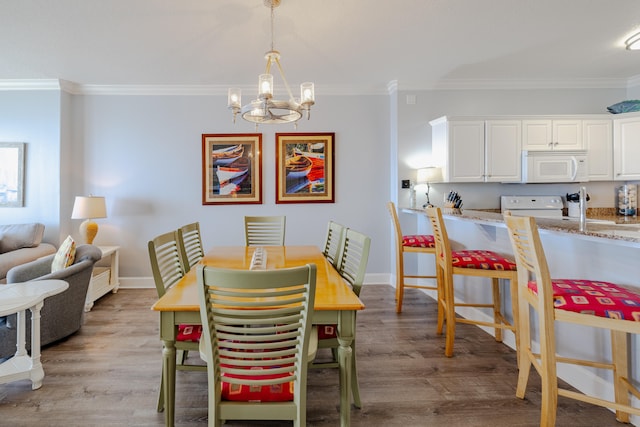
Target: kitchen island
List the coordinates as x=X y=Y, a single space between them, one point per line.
x=608 y=249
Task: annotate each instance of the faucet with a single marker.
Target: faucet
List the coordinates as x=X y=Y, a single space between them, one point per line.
x=583 y=208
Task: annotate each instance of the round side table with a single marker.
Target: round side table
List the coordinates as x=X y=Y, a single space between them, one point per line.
x=17 y=298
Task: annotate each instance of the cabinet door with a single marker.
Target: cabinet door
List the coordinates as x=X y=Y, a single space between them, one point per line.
x=537 y=135
x=552 y=135
x=466 y=151
x=626 y=149
x=567 y=134
x=598 y=140
x=503 y=151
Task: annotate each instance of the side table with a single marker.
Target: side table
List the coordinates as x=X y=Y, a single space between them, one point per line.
x=105 y=277
x=17 y=298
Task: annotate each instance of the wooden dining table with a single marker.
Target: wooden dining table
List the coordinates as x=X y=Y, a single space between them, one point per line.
x=335 y=303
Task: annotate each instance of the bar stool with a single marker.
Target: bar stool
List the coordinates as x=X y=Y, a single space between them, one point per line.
x=482 y=263
x=583 y=302
x=419 y=243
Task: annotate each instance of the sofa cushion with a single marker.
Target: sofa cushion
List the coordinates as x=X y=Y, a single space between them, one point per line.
x=65 y=255
x=18 y=236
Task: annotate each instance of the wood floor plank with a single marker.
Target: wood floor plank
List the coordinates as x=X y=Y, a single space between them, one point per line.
x=108 y=374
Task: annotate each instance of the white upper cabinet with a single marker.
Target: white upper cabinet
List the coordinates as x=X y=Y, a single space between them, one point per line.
x=503 y=150
x=477 y=150
x=550 y=134
x=626 y=149
x=457 y=147
x=598 y=141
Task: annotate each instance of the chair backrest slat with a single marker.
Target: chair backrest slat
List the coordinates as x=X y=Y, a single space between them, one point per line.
x=530 y=259
x=190 y=244
x=441 y=237
x=166 y=261
x=333 y=241
x=353 y=258
x=257 y=323
x=264 y=230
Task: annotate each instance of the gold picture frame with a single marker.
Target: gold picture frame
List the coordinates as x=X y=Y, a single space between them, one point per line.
x=231 y=169
x=305 y=167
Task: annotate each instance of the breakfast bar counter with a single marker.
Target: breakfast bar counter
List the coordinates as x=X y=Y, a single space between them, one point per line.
x=618 y=230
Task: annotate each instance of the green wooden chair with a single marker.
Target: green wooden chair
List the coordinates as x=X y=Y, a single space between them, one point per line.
x=264 y=230
x=257 y=350
x=333 y=240
x=168 y=268
x=190 y=244
x=352 y=265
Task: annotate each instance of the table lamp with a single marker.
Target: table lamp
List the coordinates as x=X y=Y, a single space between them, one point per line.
x=89 y=208
x=427 y=175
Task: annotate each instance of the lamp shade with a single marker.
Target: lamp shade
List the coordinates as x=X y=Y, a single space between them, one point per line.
x=429 y=174
x=633 y=42
x=86 y=207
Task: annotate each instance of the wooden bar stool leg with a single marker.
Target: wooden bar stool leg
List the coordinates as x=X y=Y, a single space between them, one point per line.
x=399 y=293
x=620 y=372
x=450 y=315
x=497 y=313
x=515 y=308
x=441 y=303
x=524 y=332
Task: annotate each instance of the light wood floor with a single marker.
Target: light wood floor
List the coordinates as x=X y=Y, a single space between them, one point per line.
x=108 y=374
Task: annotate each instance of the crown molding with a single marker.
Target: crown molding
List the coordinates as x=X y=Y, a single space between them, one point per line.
x=514 y=84
x=391 y=87
x=29 y=84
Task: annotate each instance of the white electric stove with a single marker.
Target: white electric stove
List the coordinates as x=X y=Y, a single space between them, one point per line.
x=538 y=206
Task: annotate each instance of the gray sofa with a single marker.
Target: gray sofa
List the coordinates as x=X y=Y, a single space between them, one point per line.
x=21 y=243
x=62 y=314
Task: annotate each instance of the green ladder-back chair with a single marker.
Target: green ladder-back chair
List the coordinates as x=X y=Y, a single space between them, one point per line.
x=332 y=242
x=190 y=244
x=168 y=268
x=264 y=230
x=257 y=350
x=352 y=265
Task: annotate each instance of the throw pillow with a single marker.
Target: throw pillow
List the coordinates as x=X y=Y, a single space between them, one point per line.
x=18 y=236
x=65 y=255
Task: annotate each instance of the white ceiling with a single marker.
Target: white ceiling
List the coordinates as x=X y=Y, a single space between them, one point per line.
x=359 y=45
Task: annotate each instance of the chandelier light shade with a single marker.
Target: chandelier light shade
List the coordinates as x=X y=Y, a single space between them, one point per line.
x=89 y=208
x=265 y=109
x=633 y=42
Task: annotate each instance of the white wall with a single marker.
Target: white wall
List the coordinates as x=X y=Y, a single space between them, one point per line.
x=33 y=117
x=143 y=153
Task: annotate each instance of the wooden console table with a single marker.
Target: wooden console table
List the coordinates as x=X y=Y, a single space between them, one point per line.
x=105 y=277
x=17 y=298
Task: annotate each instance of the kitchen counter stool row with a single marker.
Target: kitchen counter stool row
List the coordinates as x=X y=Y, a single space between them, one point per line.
x=589 y=302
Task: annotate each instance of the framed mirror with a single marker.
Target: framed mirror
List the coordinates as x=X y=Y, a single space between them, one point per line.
x=12 y=174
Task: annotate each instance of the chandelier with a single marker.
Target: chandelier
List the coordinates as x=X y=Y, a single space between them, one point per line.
x=265 y=109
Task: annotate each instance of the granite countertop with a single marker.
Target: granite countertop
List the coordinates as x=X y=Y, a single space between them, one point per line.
x=601 y=224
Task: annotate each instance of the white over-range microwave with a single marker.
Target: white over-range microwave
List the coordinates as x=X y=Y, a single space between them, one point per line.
x=554 y=166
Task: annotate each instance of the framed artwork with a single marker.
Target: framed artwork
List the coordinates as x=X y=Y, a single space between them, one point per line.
x=304 y=167
x=12 y=174
x=231 y=169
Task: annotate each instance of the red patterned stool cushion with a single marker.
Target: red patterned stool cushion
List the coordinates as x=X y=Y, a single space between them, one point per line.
x=601 y=299
x=419 y=241
x=256 y=393
x=482 y=260
x=189 y=333
x=327 y=332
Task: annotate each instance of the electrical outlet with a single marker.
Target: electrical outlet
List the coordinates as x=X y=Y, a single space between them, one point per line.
x=406 y=183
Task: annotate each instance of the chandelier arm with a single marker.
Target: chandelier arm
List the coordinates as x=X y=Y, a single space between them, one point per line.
x=284 y=79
